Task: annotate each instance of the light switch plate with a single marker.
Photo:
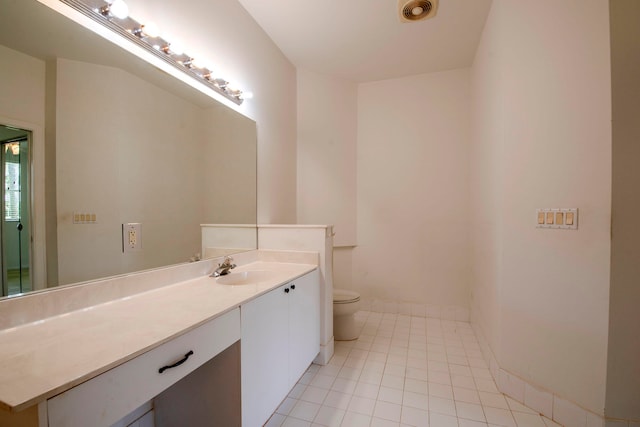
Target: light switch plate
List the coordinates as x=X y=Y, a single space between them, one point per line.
x=81 y=217
x=563 y=218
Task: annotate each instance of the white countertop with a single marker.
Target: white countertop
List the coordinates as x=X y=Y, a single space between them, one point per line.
x=44 y=358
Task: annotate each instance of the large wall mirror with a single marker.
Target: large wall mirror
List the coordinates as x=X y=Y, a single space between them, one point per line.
x=106 y=140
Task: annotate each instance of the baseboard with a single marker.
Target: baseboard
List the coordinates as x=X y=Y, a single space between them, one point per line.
x=326 y=351
x=434 y=311
x=547 y=403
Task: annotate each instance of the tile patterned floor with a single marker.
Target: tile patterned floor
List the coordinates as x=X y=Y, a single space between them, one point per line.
x=404 y=371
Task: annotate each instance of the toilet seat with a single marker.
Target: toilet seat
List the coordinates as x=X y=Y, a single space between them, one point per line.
x=341 y=296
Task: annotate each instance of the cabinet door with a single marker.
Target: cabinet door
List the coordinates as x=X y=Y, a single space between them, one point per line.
x=264 y=355
x=304 y=324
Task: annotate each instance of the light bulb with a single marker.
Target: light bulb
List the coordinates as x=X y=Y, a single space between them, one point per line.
x=197 y=62
x=247 y=95
x=119 y=9
x=151 y=30
x=176 y=48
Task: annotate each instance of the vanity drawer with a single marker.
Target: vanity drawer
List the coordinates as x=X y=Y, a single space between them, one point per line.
x=110 y=396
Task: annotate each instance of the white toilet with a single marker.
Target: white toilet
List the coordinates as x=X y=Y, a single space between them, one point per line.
x=345 y=305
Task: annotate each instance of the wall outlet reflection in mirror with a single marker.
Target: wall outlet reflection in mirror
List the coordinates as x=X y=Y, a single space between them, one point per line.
x=131 y=237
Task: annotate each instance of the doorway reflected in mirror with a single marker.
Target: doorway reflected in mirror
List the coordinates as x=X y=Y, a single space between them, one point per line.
x=15 y=210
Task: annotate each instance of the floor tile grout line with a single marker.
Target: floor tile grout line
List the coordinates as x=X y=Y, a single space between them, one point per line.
x=451 y=335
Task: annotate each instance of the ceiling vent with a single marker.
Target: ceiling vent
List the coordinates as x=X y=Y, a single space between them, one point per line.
x=417 y=10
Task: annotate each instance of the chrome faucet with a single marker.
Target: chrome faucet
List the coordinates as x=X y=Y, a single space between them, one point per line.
x=223 y=269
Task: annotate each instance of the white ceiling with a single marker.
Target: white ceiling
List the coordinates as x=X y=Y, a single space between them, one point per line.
x=364 y=40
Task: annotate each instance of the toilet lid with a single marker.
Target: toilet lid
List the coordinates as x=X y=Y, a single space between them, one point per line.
x=342 y=296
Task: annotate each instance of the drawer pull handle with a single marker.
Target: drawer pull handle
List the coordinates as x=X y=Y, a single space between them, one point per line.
x=293 y=286
x=286 y=290
x=178 y=363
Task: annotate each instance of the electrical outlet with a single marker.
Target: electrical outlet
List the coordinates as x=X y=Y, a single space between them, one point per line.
x=131 y=237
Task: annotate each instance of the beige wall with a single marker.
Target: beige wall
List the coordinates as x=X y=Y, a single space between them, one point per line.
x=225 y=33
x=327 y=144
x=327 y=129
x=542 y=138
x=623 y=375
x=228 y=175
x=109 y=120
x=22 y=87
x=413 y=189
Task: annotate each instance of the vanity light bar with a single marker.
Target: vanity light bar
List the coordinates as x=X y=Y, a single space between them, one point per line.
x=134 y=31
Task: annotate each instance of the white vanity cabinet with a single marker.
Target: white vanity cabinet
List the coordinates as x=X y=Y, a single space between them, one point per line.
x=280 y=333
x=232 y=354
x=108 y=397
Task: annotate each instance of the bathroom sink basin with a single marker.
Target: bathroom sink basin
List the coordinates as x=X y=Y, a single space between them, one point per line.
x=246 y=277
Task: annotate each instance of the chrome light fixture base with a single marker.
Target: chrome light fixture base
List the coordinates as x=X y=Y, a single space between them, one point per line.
x=132 y=30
